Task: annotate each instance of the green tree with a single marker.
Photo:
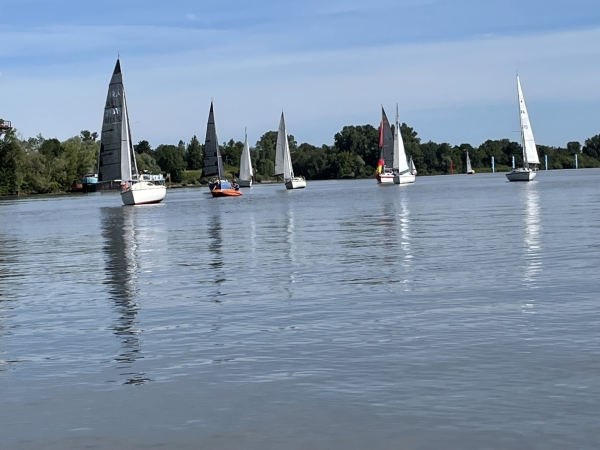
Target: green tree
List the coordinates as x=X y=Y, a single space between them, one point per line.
x=146 y=161
x=359 y=140
x=85 y=136
x=143 y=147
x=574 y=147
x=11 y=163
x=592 y=147
x=194 y=154
x=171 y=159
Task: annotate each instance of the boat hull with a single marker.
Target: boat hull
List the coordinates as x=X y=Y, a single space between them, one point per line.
x=143 y=193
x=245 y=183
x=228 y=192
x=404 y=178
x=521 y=175
x=470 y=172
x=296 y=183
x=385 y=178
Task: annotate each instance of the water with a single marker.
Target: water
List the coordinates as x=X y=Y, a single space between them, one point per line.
x=460 y=312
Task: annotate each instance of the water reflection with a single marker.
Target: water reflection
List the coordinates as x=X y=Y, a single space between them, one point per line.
x=405 y=238
x=215 y=250
x=291 y=246
x=531 y=237
x=120 y=249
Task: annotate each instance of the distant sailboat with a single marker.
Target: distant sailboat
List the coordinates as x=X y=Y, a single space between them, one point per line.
x=116 y=161
x=530 y=156
x=402 y=169
x=213 y=162
x=246 y=172
x=385 y=173
x=283 y=160
x=469 y=168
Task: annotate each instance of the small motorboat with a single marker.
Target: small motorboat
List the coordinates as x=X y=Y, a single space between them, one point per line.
x=223 y=188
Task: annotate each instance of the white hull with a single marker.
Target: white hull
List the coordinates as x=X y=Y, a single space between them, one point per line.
x=296 y=183
x=244 y=183
x=404 y=178
x=521 y=175
x=143 y=193
x=385 y=178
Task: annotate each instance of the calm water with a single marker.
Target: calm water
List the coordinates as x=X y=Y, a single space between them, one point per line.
x=460 y=312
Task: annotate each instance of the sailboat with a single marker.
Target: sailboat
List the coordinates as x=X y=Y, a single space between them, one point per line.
x=116 y=161
x=530 y=156
x=246 y=172
x=469 y=168
x=385 y=173
x=402 y=171
x=283 y=160
x=213 y=162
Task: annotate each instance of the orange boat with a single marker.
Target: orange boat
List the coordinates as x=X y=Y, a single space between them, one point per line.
x=227 y=192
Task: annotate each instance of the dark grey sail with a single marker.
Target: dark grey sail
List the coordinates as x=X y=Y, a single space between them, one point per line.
x=116 y=160
x=386 y=141
x=213 y=164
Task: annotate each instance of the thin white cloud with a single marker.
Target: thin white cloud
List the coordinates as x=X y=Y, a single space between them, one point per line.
x=191 y=16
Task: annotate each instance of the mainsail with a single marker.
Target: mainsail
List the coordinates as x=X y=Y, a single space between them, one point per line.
x=117 y=159
x=283 y=159
x=469 y=169
x=213 y=163
x=386 y=141
x=400 y=162
x=245 y=162
x=530 y=155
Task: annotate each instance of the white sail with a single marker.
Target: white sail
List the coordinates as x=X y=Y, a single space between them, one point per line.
x=283 y=160
x=530 y=155
x=128 y=163
x=468 y=163
x=413 y=169
x=245 y=162
x=400 y=162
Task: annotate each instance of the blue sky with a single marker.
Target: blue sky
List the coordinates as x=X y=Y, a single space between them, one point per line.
x=450 y=64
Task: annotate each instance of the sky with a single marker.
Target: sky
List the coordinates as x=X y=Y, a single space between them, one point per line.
x=450 y=65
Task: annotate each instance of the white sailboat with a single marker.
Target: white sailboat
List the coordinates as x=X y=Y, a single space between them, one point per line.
x=246 y=172
x=402 y=171
x=213 y=162
x=469 y=168
x=117 y=157
x=530 y=156
x=283 y=160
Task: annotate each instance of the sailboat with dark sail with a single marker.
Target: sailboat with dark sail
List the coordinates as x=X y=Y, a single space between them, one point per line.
x=385 y=173
x=116 y=161
x=213 y=162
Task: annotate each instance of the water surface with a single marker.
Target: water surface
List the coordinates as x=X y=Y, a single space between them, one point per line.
x=459 y=312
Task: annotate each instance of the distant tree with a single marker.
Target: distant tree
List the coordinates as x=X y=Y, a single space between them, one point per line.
x=85 y=136
x=146 y=161
x=574 y=147
x=171 y=160
x=51 y=148
x=12 y=158
x=231 y=152
x=359 y=140
x=143 y=147
x=592 y=147
x=194 y=154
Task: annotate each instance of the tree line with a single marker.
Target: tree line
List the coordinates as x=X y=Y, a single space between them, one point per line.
x=40 y=165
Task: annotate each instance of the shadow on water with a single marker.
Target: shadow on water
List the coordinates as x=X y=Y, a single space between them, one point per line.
x=121 y=266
